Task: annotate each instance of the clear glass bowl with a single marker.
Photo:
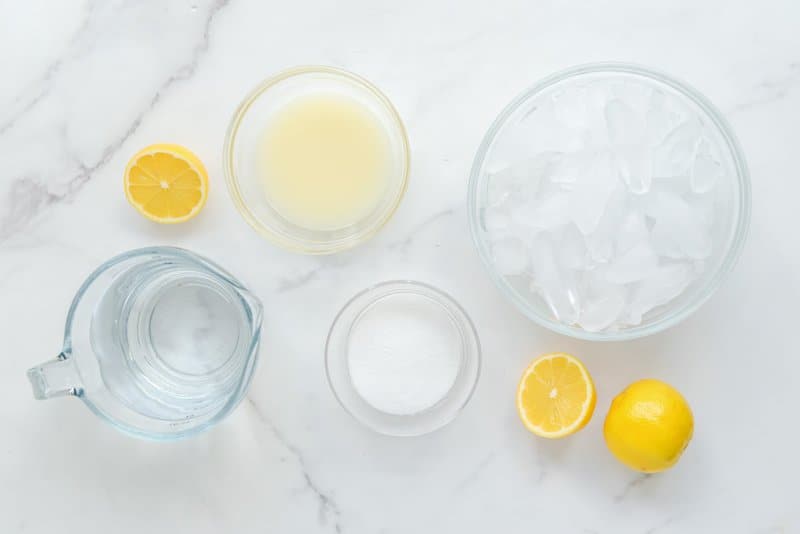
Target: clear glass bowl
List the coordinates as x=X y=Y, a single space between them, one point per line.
x=738 y=217
x=404 y=297
x=241 y=163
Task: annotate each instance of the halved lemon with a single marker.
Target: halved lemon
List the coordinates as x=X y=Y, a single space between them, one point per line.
x=556 y=396
x=166 y=183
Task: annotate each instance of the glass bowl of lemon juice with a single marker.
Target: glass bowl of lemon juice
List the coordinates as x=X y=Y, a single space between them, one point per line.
x=316 y=159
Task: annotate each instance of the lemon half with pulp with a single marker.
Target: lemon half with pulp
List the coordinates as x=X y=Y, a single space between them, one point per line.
x=166 y=183
x=556 y=396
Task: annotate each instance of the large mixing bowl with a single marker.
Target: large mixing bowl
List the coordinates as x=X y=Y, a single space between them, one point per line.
x=733 y=222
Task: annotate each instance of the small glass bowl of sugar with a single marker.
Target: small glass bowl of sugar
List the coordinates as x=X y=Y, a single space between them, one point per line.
x=403 y=358
x=609 y=201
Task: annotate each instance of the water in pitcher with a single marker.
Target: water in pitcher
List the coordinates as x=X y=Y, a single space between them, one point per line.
x=169 y=339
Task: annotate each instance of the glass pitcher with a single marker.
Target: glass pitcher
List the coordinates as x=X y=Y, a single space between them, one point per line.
x=159 y=342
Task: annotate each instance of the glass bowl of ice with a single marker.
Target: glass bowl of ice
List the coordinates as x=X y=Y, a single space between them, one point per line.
x=609 y=201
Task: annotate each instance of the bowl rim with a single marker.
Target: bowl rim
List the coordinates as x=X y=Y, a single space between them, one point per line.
x=232 y=181
x=703 y=293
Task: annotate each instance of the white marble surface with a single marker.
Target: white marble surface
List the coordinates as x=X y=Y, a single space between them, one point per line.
x=87 y=83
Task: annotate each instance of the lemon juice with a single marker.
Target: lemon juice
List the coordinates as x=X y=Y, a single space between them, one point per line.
x=325 y=161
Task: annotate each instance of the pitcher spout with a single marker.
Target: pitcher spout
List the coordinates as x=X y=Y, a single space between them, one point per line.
x=55 y=378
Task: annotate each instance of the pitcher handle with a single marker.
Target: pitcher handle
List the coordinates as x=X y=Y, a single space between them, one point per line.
x=55 y=378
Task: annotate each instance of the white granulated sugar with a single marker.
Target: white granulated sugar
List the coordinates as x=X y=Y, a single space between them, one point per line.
x=607 y=201
x=404 y=354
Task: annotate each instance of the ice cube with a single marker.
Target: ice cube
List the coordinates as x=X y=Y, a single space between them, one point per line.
x=587 y=208
x=706 y=170
x=664 y=205
x=635 y=166
x=600 y=247
x=500 y=185
x=510 y=256
x=632 y=231
x=544 y=130
x=703 y=207
x=679 y=229
x=603 y=172
x=637 y=264
x=600 y=243
x=507 y=152
x=675 y=154
x=593 y=283
x=678 y=185
x=520 y=179
x=696 y=242
x=571 y=249
x=601 y=313
x=591 y=193
x=570 y=168
x=669 y=212
x=664 y=241
x=658 y=120
x=544 y=213
x=496 y=219
x=563 y=301
x=625 y=126
x=570 y=107
x=661 y=287
x=557 y=287
x=597 y=95
x=543 y=259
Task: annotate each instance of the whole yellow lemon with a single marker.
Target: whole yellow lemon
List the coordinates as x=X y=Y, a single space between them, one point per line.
x=648 y=426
